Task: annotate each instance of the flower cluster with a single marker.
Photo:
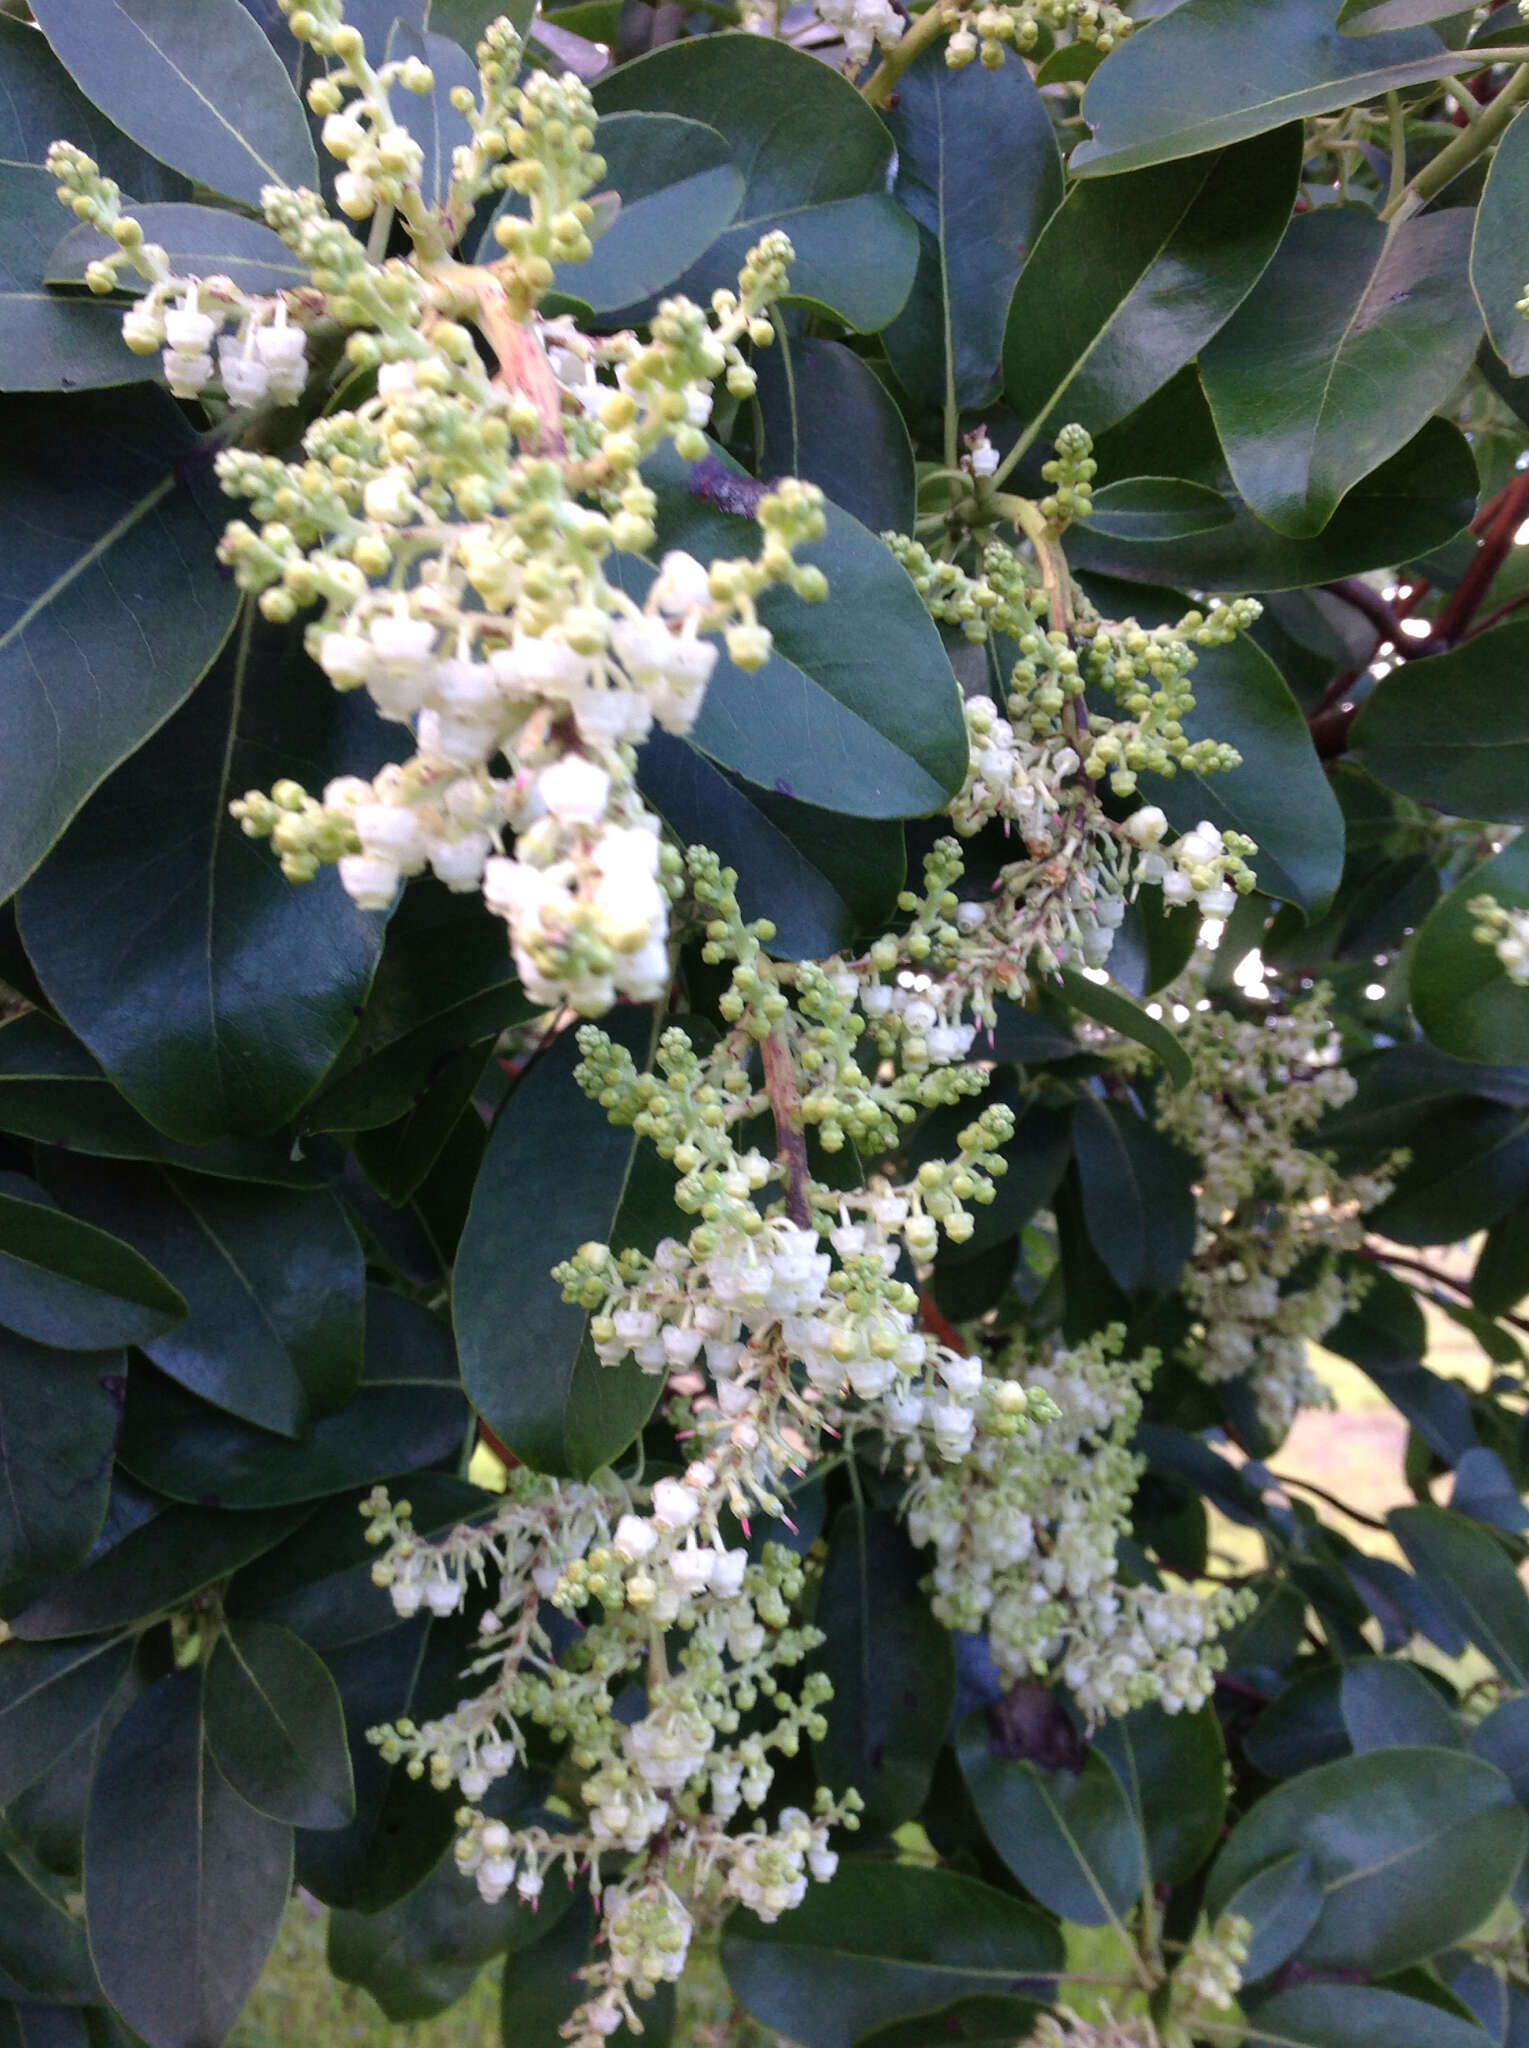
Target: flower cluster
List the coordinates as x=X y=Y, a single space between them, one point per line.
x=1207 y=1979
x=212 y=334
x=989 y=31
x=1025 y=1532
x=1506 y=932
x=1263 y=1282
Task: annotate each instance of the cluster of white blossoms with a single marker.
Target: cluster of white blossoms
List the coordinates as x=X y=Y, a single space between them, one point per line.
x=987 y=30
x=1506 y=932
x=1025 y=1532
x=662 y=1794
x=213 y=336
x=1206 y=1980
x=1263 y=1282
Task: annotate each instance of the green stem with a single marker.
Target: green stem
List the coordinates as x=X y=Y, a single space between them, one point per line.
x=1398 y=124
x=1468 y=145
x=882 y=83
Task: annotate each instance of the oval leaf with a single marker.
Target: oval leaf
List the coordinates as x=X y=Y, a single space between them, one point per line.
x=880 y=1941
x=51 y=341
x=1497 y=249
x=1157 y=508
x=1466 y=1574
x=41 y=102
x=114 y=606
x=49 y=1697
x=829 y=419
x=1131 y=278
x=275 y=1728
x=1118 y=1013
x=185 y=1885
x=1358 y=2016
x=1138 y=1195
x=64 y=1283
x=1363 y=330
x=204 y=91
x=58 y=1423
x=1463 y=998
x=200 y=241
x=1453 y=730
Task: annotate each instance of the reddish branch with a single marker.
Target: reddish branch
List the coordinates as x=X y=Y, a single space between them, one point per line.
x=790 y=1136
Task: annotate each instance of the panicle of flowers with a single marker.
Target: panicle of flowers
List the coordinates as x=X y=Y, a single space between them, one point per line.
x=1506 y=932
x=710 y=1634
x=990 y=32
x=212 y=334
x=1025 y=1529
x=1263 y=1282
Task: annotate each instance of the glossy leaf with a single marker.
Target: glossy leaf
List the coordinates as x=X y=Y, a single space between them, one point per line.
x=822 y=880
x=1463 y=998
x=814 y=158
x=1471 y=1167
x=204 y=92
x=184 y=1884
x=827 y=418
x=51 y=341
x=200 y=241
x=213 y=992
x=891 y=1664
x=274 y=1726
x=1281 y=1903
x=1412 y=1848
x=1494 y=256
x=1132 y=277
x=43 y=1952
x=41 y=102
x=1466 y=1573
x=58 y=1423
x=1106 y=1006
x=1374 y=17
x=1501 y=1278
x=1389 y=1705
x=527 y=1360
x=49 y=1697
x=113 y=604
x=977 y=168
x=1361 y=330
x=1358 y=2016
x=1070 y=1837
x=824 y=721
x=156 y=1566
x=1157 y=508
x=74 y=1287
x=272 y=1278
x=1138 y=1197
x=1186 y=83
x=407 y=1411
x=1172 y=1769
x=879 y=1941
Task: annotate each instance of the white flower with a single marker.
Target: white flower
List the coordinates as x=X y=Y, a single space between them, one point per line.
x=634 y=1538
x=371 y=883
x=682 y=585
x=574 y=790
x=675 y=1506
x=390 y=832
x=1146 y=827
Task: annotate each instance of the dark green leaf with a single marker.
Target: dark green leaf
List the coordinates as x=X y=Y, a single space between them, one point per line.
x=815 y=161
x=50 y=1697
x=43 y=1953
x=822 y=879
x=1471 y=1166
x=51 y=341
x=1118 y=1013
x=184 y=1884
x=1070 y=1837
x=200 y=241
x=1036 y=1158
x=1466 y=1574
x=826 y=721
x=1211 y=73
x=1485 y=1490
x=273 y=1278
x=1411 y=505
x=1495 y=259
x=1138 y=1196
x=977 y=168
x=419 y=1956
x=1302 y=1726
x=58 y=1422
x=274 y=1726
x=1388 y=1705
x=397 y=1157
x=44 y=2026
x=204 y=92
x=1463 y=998
x=156 y=1566
x=40 y=103
x=214 y=993
x=987 y=2018
x=1412 y=1848
x=1172 y=1768
x=1363 y=331
x=1453 y=730
x=1157 y=508
x=465 y=20
x=1503 y=1739
x=407 y=1411
x=1132 y=277
x=1373 y=17
x=527 y=1360
x=401 y=1824
x=74 y=1287
x=1501 y=1278
x=113 y=605
x=1357 y=2016
x=829 y=419
x=1282 y=1903
x=893 y=1671
x=880 y=1941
